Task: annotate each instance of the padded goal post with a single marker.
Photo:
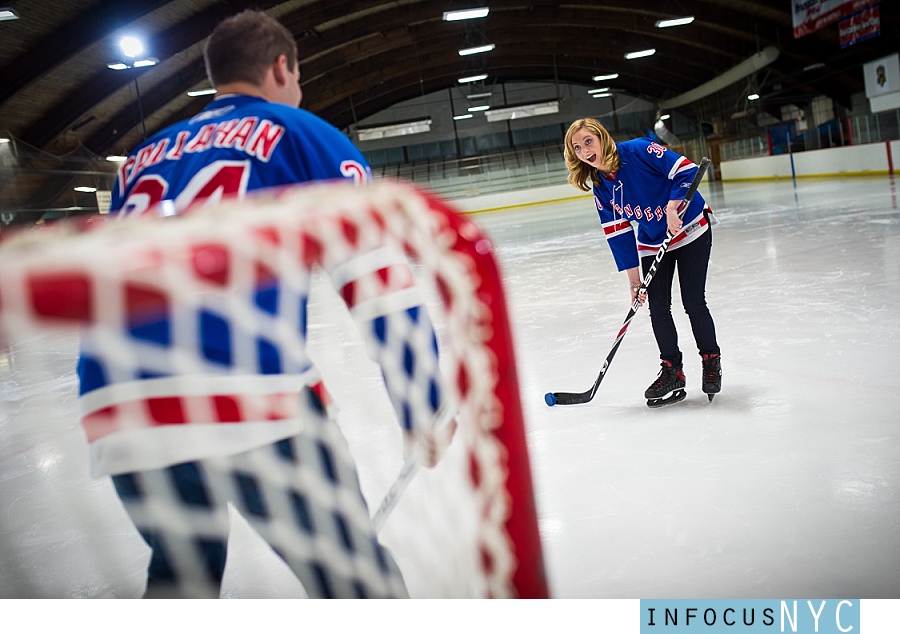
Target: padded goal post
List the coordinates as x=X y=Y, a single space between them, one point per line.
x=481 y=518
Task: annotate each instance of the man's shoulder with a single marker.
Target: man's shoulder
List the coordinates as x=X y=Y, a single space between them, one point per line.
x=282 y=113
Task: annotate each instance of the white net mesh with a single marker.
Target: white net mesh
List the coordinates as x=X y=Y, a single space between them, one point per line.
x=464 y=528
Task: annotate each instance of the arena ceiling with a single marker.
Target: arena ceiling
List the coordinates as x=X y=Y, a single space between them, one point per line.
x=359 y=57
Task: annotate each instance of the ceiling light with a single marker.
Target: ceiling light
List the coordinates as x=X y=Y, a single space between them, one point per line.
x=814 y=66
x=596 y=90
x=87 y=190
x=394 y=129
x=467 y=14
x=636 y=54
x=8 y=14
x=4 y=140
x=116 y=159
x=605 y=77
x=201 y=93
x=753 y=97
x=467 y=80
x=477 y=49
x=522 y=111
x=603 y=94
x=662 y=24
x=664 y=117
x=480 y=95
x=460 y=117
x=131 y=46
x=141 y=63
x=479 y=108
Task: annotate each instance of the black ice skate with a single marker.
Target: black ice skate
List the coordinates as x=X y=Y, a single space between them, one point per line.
x=712 y=374
x=668 y=387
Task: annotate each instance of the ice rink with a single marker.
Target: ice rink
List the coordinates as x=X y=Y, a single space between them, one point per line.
x=786 y=485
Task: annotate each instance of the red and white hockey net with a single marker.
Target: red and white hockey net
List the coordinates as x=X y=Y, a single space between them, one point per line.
x=468 y=527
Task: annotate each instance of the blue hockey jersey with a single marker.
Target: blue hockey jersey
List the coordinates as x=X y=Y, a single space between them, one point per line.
x=203 y=351
x=650 y=176
x=238 y=143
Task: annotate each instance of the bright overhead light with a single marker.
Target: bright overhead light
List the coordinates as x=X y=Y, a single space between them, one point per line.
x=87 y=190
x=394 y=129
x=479 y=108
x=201 y=93
x=477 y=49
x=636 y=54
x=605 y=77
x=460 y=117
x=467 y=14
x=753 y=97
x=467 y=80
x=596 y=90
x=522 y=111
x=663 y=24
x=664 y=117
x=131 y=46
x=141 y=63
x=603 y=94
x=480 y=95
x=4 y=140
x=8 y=14
x=113 y=158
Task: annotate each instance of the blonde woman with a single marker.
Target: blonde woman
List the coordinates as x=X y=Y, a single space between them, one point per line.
x=642 y=183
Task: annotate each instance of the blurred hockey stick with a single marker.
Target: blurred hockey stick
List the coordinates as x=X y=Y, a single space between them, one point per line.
x=407 y=472
x=410 y=468
x=574 y=398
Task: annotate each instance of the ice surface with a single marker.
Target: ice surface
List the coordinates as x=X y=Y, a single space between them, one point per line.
x=786 y=485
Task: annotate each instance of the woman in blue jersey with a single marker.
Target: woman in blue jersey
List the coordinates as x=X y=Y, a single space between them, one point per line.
x=639 y=183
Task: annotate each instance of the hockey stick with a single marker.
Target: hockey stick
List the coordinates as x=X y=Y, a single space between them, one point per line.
x=573 y=398
x=407 y=472
x=393 y=495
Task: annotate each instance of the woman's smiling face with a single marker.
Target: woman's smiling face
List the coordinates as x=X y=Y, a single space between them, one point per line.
x=586 y=145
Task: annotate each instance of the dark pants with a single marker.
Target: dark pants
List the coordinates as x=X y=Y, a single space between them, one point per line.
x=301 y=494
x=692 y=262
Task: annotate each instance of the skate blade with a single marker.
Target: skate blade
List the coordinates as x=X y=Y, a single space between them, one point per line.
x=674 y=397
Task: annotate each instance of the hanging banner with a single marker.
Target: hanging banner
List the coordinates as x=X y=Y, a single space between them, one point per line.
x=882 y=77
x=812 y=15
x=860 y=26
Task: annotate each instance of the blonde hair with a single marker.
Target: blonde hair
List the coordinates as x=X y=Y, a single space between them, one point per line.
x=579 y=171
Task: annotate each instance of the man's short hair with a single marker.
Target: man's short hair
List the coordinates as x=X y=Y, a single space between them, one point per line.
x=242 y=47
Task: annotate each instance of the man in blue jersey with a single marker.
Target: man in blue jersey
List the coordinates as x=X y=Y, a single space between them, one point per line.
x=640 y=182
x=205 y=403
x=251 y=136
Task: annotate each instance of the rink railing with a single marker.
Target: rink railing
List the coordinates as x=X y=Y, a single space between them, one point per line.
x=787 y=138
x=465 y=178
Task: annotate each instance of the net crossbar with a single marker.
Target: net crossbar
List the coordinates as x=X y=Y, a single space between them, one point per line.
x=61 y=278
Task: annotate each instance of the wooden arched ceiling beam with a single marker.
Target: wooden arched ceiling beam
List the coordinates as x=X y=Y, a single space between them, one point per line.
x=376 y=53
x=70 y=38
x=105 y=82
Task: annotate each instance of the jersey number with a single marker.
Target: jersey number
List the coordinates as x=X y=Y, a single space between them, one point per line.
x=218 y=180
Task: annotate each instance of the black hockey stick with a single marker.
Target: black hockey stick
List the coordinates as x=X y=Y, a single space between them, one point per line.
x=573 y=398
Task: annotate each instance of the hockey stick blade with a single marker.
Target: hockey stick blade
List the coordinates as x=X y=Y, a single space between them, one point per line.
x=577 y=398
x=568 y=398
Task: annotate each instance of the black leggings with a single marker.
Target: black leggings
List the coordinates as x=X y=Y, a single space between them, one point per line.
x=692 y=262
